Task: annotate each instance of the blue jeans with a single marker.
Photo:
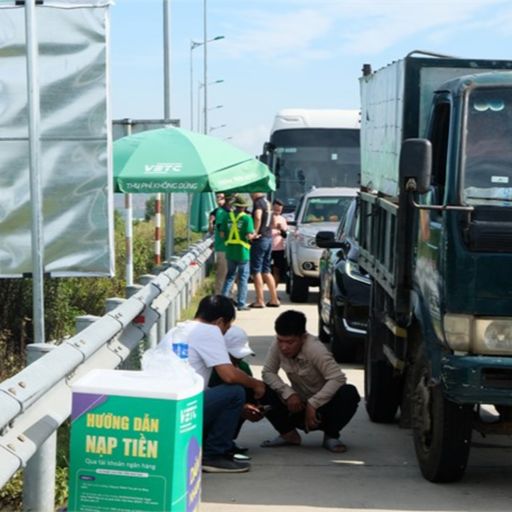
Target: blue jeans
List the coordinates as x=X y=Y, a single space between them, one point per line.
x=222 y=407
x=242 y=269
x=261 y=255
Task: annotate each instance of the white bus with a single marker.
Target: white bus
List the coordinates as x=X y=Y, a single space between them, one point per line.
x=313 y=148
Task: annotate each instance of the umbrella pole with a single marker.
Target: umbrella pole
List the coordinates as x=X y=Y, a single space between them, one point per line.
x=128 y=221
x=189 y=215
x=158 y=234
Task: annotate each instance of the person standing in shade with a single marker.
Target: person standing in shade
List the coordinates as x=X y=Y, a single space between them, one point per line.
x=279 y=233
x=237 y=230
x=261 y=252
x=317 y=397
x=214 y=223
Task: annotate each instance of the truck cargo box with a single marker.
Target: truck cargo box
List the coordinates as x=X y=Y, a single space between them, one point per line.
x=395 y=105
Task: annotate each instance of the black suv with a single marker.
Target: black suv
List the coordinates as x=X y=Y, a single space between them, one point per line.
x=344 y=290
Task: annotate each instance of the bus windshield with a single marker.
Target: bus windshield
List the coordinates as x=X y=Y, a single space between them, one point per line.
x=320 y=157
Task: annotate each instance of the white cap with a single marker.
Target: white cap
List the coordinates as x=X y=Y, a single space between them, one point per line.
x=237 y=342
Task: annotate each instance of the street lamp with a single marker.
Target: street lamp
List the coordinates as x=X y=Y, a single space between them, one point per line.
x=193 y=46
x=200 y=86
x=212 y=128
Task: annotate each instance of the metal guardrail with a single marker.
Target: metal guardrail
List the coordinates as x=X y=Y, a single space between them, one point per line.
x=37 y=400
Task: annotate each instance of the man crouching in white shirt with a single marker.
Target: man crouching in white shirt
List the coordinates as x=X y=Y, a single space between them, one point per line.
x=222 y=404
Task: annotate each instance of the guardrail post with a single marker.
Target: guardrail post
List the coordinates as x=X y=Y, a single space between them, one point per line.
x=152 y=336
x=132 y=362
x=39 y=474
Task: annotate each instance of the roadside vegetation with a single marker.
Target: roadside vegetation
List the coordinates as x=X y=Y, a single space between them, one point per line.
x=64 y=300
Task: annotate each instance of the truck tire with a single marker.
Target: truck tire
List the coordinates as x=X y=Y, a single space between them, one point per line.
x=343 y=346
x=382 y=385
x=299 y=291
x=441 y=428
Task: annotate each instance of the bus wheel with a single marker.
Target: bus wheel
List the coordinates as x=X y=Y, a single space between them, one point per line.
x=441 y=428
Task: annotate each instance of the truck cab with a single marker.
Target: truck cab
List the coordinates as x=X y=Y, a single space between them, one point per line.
x=436 y=238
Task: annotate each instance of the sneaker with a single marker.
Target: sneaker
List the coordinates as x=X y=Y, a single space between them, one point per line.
x=220 y=464
x=243 y=308
x=241 y=457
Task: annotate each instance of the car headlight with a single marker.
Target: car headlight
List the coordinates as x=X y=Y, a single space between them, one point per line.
x=306 y=240
x=479 y=335
x=353 y=270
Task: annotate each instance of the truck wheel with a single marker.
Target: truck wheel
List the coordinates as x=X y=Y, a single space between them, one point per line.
x=298 y=288
x=441 y=428
x=343 y=346
x=382 y=387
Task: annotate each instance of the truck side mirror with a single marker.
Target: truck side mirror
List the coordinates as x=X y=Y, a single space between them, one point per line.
x=326 y=240
x=416 y=164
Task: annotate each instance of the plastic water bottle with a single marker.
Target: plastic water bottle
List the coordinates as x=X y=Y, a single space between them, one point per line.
x=179 y=344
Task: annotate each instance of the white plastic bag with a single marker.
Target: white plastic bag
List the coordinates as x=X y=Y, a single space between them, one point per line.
x=163 y=362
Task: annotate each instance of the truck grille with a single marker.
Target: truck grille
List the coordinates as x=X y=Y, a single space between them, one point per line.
x=497 y=378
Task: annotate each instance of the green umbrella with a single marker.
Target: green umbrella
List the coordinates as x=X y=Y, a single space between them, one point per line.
x=199 y=211
x=177 y=160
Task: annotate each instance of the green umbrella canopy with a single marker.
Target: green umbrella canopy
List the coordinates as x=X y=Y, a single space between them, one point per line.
x=177 y=160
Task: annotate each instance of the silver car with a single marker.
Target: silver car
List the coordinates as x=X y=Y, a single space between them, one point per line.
x=321 y=209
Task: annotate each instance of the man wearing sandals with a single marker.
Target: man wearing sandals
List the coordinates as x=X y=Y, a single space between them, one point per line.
x=317 y=399
x=261 y=252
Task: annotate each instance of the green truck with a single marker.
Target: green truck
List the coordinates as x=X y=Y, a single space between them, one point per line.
x=436 y=238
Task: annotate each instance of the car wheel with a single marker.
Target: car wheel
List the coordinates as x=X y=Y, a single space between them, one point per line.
x=298 y=288
x=441 y=428
x=343 y=345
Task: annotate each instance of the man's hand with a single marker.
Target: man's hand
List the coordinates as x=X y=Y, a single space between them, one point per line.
x=259 y=389
x=294 y=403
x=311 y=421
x=252 y=413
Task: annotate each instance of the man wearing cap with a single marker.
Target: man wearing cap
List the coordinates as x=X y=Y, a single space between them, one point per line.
x=237 y=230
x=237 y=345
x=222 y=404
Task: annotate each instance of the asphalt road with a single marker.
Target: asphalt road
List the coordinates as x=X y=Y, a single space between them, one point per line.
x=377 y=473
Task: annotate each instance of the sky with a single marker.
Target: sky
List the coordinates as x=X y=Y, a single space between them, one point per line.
x=283 y=53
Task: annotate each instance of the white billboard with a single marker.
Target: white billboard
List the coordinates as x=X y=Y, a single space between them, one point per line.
x=75 y=139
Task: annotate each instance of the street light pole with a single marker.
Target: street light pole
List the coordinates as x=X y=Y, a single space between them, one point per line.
x=169 y=203
x=200 y=86
x=193 y=46
x=212 y=128
x=205 y=74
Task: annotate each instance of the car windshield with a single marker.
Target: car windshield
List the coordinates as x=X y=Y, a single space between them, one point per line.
x=325 y=209
x=488 y=157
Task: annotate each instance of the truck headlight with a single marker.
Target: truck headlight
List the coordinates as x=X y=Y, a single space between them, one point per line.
x=479 y=335
x=493 y=336
x=457 y=331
